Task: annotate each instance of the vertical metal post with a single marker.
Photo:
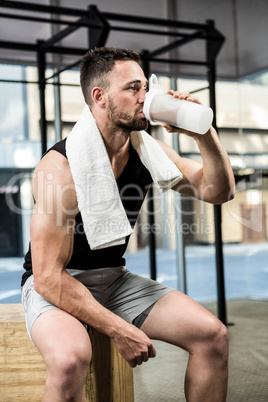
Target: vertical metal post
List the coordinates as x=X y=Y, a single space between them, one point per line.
x=150 y=202
x=217 y=212
x=152 y=243
x=41 y=63
x=220 y=265
x=25 y=103
x=57 y=109
x=57 y=63
x=180 y=249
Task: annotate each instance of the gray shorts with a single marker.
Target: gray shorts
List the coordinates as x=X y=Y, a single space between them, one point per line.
x=128 y=295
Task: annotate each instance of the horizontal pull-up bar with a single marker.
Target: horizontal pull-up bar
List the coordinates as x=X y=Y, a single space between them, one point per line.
x=176 y=61
x=56 y=84
x=31 y=47
x=80 y=22
x=42 y=8
x=109 y=16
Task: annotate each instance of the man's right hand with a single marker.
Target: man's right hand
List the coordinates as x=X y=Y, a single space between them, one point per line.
x=134 y=345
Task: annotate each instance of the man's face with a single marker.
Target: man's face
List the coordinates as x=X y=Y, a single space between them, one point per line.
x=126 y=96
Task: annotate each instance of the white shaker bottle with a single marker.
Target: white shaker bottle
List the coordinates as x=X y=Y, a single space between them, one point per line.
x=164 y=108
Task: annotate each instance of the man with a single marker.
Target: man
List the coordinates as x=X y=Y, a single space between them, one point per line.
x=71 y=283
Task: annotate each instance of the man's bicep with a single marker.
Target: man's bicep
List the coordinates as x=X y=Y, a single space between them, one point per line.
x=191 y=182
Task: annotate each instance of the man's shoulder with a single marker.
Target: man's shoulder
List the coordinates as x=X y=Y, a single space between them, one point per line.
x=53 y=186
x=54 y=167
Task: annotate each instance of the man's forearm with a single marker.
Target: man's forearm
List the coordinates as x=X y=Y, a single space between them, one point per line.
x=70 y=295
x=218 y=179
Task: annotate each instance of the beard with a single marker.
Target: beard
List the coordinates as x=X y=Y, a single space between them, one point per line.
x=125 y=121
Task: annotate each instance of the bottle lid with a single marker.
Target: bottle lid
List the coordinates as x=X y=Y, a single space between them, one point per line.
x=153 y=90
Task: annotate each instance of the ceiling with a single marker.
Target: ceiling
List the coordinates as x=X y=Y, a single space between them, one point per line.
x=243 y=23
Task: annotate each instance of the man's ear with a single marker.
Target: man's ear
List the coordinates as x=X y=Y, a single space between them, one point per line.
x=98 y=96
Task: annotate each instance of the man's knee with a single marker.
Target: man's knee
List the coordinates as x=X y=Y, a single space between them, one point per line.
x=67 y=368
x=218 y=339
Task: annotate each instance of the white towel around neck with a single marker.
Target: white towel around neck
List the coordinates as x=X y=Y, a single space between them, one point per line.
x=103 y=215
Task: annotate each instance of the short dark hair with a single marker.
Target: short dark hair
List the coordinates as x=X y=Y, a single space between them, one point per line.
x=97 y=63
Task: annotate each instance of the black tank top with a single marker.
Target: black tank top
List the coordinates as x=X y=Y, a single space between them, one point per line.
x=132 y=184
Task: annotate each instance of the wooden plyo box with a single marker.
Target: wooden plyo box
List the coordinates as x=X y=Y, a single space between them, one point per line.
x=23 y=372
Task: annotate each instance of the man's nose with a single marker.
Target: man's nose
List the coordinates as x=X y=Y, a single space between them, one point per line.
x=142 y=95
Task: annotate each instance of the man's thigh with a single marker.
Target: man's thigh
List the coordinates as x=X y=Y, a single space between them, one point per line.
x=179 y=320
x=57 y=333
